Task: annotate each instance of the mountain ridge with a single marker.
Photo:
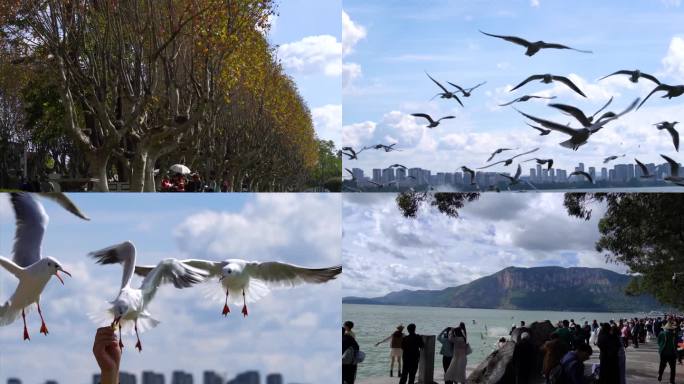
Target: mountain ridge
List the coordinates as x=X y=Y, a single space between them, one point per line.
x=535 y=288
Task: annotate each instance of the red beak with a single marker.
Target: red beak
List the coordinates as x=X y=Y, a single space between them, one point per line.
x=116 y=321
x=60 y=277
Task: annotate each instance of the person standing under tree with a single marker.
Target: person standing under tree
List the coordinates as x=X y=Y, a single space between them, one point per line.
x=668 y=350
x=395 y=348
x=411 y=346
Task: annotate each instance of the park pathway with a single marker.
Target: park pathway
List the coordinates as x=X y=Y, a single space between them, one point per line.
x=642 y=368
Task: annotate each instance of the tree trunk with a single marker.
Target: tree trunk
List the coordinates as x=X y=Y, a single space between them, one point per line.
x=97 y=169
x=150 y=182
x=138 y=167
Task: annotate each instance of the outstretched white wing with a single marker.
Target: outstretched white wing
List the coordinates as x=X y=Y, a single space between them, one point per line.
x=172 y=271
x=276 y=273
x=31 y=221
x=123 y=253
x=65 y=202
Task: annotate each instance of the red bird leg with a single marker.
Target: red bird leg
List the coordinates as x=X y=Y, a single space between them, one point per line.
x=43 y=327
x=138 y=345
x=226 y=310
x=244 y=306
x=26 y=335
x=120 y=338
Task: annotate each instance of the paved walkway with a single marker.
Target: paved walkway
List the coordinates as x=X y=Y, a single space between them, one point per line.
x=642 y=368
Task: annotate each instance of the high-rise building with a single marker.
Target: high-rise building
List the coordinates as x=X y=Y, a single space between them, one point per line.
x=533 y=174
x=387 y=175
x=211 y=377
x=13 y=381
x=401 y=174
x=180 y=377
x=604 y=173
x=274 y=378
x=580 y=167
x=621 y=173
x=415 y=173
x=127 y=378
x=441 y=178
x=249 y=377
x=538 y=173
x=377 y=175
x=458 y=178
x=149 y=377
x=592 y=172
x=630 y=171
x=357 y=173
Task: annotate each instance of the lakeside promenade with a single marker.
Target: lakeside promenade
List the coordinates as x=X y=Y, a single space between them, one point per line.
x=642 y=368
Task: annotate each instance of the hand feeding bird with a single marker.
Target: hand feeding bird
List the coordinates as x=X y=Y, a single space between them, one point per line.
x=253 y=280
x=670 y=128
x=672 y=91
x=130 y=305
x=533 y=47
x=27 y=264
x=633 y=76
x=579 y=137
x=548 y=79
x=446 y=94
x=509 y=161
x=526 y=98
x=433 y=123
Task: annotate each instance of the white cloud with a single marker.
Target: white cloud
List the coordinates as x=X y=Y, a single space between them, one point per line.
x=354 y=134
x=352 y=33
x=313 y=55
x=328 y=122
x=350 y=72
x=534 y=3
x=673 y=62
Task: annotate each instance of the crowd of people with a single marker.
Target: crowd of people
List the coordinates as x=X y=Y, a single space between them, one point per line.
x=560 y=360
x=178 y=182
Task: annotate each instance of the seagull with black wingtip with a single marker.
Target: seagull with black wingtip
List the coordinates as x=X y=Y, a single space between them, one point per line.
x=446 y=94
x=645 y=174
x=432 y=123
x=533 y=47
x=509 y=161
x=674 y=172
x=527 y=98
x=670 y=127
x=583 y=174
x=466 y=91
x=548 y=78
x=672 y=91
x=549 y=162
x=633 y=76
x=585 y=120
x=611 y=158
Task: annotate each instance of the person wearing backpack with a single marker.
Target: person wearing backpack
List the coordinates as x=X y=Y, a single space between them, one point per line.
x=349 y=350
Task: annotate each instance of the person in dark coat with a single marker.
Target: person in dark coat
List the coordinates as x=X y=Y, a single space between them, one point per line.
x=524 y=357
x=349 y=370
x=609 y=345
x=410 y=346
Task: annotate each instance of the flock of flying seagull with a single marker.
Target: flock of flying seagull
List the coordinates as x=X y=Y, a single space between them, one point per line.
x=242 y=281
x=590 y=124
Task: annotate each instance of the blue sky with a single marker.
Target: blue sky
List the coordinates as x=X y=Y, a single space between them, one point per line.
x=396 y=41
x=309 y=35
x=383 y=251
x=279 y=333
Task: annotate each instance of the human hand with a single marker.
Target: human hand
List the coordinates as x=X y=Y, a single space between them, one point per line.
x=108 y=354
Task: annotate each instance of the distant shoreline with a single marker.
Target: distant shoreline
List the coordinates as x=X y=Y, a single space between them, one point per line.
x=507 y=309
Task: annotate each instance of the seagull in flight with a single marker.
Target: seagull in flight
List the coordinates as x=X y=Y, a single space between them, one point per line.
x=509 y=161
x=446 y=94
x=398 y=166
x=526 y=98
x=548 y=79
x=580 y=116
x=582 y=173
x=542 y=131
x=387 y=148
x=466 y=91
x=351 y=153
x=254 y=279
x=533 y=47
x=611 y=158
x=28 y=264
x=644 y=171
x=471 y=173
x=499 y=151
x=350 y=173
x=513 y=179
x=432 y=122
x=670 y=127
x=541 y=162
x=674 y=171
x=579 y=137
x=130 y=305
x=633 y=76
x=672 y=91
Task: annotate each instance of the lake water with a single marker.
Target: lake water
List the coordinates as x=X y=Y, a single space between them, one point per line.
x=373 y=323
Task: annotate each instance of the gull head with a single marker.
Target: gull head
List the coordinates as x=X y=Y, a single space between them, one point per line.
x=230 y=271
x=119 y=309
x=53 y=267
